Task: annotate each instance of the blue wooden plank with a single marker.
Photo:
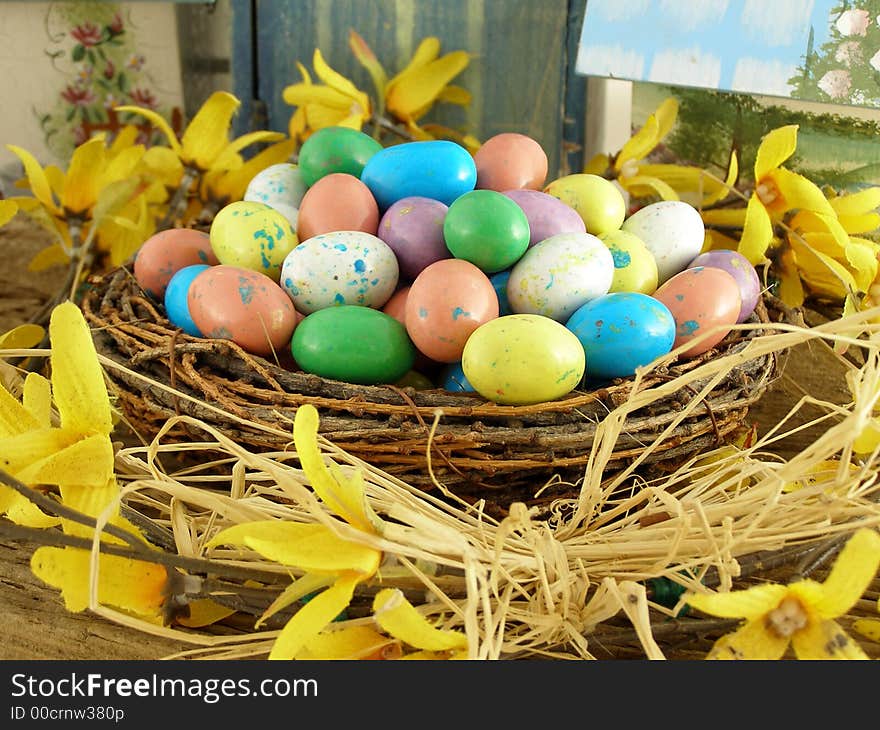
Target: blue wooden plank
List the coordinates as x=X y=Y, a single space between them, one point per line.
x=518 y=74
x=243 y=67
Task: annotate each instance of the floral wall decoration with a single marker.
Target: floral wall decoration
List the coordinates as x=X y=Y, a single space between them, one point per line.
x=94 y=48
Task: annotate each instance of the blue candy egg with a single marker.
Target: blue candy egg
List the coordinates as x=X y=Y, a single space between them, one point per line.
x=622 y=331
x=175 y=298
x=437 y=169
x=452 y=378
x=499 y=281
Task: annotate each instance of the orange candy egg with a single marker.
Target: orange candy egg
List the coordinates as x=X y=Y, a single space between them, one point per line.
x=701 y=299
x=510 y=161
x=242 y=305
x=337 y=202
x=447 y=301
x=165 y=253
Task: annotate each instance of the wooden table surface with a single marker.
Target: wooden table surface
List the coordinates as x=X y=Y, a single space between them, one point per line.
x=37 y=624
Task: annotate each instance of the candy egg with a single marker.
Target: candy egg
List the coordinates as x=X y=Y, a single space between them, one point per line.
x=486 y=228
x=622 y=331
x=335 y=149
x=337 y=202
x=672 y=230
x=253 y=236
x=396 y=307
x=342 y=267
x=242 y=305
x=509 y=161
x=437 y=169
x=546 y=215
x=353 y=344
x=598 y=201
x=634 y=266
x=165 y=253
x=446 y=303
x=557 y=275
x=738 y=266
x=701 y=299
x=452 y=378
x=523 y=359
x=413 y=228
x=176 y=298
x=279 y=186
x=499 y=282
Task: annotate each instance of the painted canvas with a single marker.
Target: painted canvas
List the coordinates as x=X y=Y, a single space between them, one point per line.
x=815 y=50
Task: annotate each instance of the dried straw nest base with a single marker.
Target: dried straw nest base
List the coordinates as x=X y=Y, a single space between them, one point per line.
x=458 y=443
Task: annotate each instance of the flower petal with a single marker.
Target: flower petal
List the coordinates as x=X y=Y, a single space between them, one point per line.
x=92 y=501
x=420 y=88
x=203 y=612
x=791 y=290
x=309 y=583
x=750 y=603
x=232 y=185
x=87 y=461
x=598 y=165
x=37 y=398
x=158 y=121
x=775 y=148
x=851 y=574
x=207 y=135
x=333 y=79
x=54 y=255
x=868 y=439
x=20 y=510
x=365 y=56
x=799 y=192
x=427 y=50
x=825 y=640
x=722 y=191
x=313 y=617
x=751 y=642
x=639 y=144
x=77 y=377
x=642 y=186
x=757 y=232
x=666 y=114
x=864 y=223
x=858 y=203
x=345 y=498
x=351 y=642
x=22 y=337
x=82 y=182
x=398 y=617
x=15 y=419
x=36 y=177
x=131 y=585
x=868 y=627
x=8 y=209
x=304 y=545
x=24 y=448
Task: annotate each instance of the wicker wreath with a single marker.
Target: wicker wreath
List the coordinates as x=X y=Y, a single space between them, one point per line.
x=459 y=442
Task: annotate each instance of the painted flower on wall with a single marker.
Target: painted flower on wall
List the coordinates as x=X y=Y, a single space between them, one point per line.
x=853 y=22
x=836 y=83
x=103 y=67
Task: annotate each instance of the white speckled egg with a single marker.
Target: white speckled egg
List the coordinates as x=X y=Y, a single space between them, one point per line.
x=672 y=230
x=559 y=274
x=279 y=186
x=340 y=267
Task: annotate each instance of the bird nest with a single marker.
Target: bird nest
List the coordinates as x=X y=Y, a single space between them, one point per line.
x=459 y=443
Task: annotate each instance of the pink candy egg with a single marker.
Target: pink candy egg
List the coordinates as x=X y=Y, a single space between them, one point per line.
x=165 y=253
x=701 y=299
x=242 y=305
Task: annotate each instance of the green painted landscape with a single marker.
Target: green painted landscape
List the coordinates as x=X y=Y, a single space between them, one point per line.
x=838 y=145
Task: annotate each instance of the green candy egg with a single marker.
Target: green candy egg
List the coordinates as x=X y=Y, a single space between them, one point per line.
x=354 y=344
x=486 y=228
x=335 y=149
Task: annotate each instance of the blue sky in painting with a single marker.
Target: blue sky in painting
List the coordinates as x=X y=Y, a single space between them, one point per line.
x=741 y=45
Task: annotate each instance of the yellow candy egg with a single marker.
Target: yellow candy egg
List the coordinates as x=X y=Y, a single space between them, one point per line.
x=521 y=359
x=597 y=201
x=635 y=269
x=252 y=235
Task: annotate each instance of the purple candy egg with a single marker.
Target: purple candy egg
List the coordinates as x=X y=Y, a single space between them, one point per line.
x=546 y=214
x=413 y=228
x=737 y=265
